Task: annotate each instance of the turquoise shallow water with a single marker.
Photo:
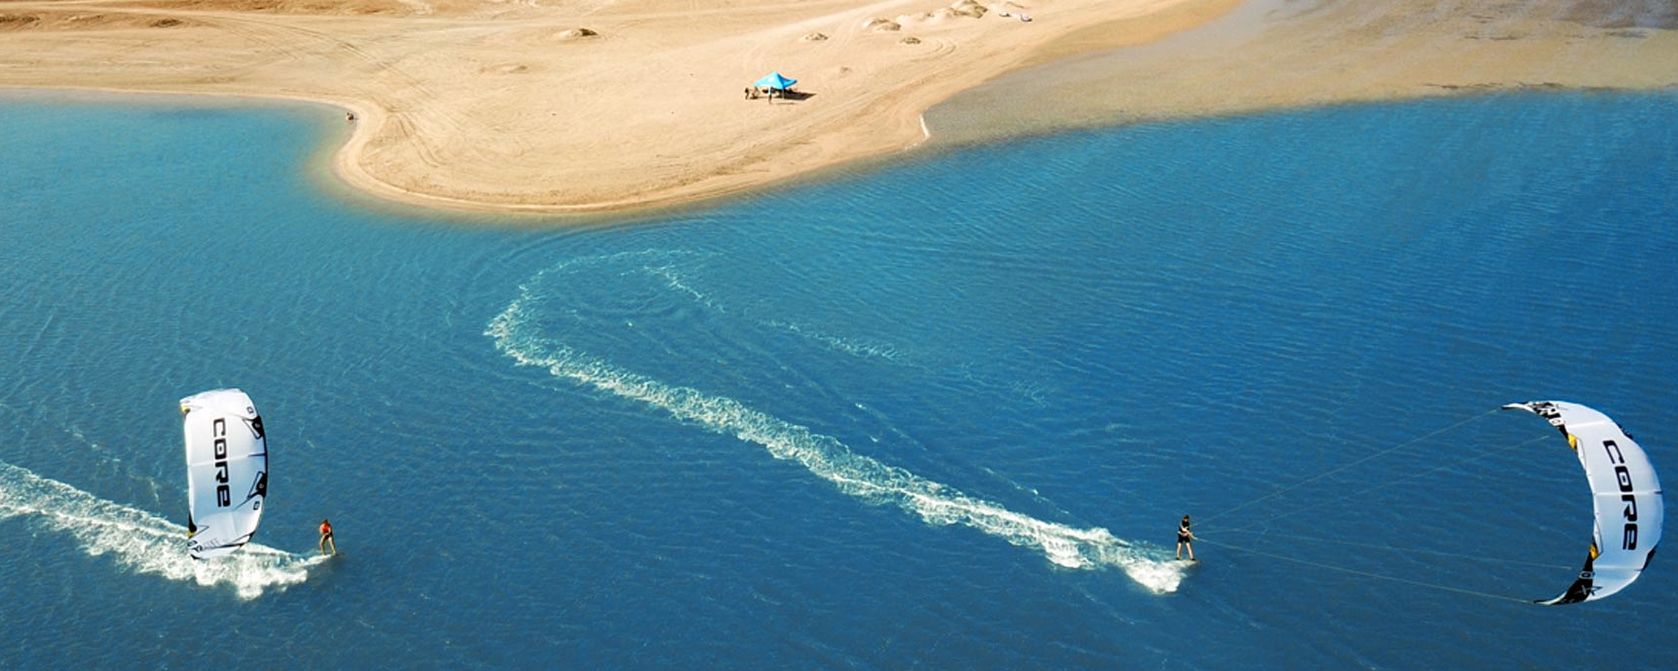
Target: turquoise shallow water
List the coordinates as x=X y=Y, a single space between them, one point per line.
x=943 y=415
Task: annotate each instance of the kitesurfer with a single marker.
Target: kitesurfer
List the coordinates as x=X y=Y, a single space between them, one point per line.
x=326 y=538
x=1185 y=538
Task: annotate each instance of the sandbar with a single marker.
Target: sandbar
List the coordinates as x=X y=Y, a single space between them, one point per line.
x=613 y=106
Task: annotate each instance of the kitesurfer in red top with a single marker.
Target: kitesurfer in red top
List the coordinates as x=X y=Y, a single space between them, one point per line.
x=326 y=538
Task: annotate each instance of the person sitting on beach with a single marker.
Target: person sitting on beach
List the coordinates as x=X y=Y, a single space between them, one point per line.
x=326 y=538
x=1185 y=538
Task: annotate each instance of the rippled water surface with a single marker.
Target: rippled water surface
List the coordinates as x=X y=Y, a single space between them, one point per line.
x=945 y=414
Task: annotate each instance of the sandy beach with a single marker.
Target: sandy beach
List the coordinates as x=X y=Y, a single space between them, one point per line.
x=611 y=106
x=1288 y=53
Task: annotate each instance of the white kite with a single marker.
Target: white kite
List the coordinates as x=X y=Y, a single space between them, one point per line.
x=226 y=470
x=1626 y=494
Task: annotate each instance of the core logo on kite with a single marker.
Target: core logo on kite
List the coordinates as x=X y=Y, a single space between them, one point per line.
x=1622 y=476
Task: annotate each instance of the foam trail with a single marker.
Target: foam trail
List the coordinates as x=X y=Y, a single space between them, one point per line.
x=849 y=346
x=831 y=460
x=677 y=282
x=139 y=540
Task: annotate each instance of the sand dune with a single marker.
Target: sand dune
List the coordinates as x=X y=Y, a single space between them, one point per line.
x=610 y=105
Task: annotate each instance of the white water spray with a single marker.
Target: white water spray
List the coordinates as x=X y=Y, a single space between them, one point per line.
x=140 y=541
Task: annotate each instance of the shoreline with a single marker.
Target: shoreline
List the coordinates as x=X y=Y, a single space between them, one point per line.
x=485 y=108
x=429 y=137
x=420 y=141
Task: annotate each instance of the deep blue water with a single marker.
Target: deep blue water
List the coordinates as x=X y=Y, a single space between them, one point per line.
x=941 y=415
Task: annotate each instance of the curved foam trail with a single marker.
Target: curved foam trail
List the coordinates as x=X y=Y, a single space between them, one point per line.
x=677 y=282
x=849 y=346
x=139 y=540
x=829 y=459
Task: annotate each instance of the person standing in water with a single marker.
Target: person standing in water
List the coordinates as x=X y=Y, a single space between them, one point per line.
x=1185 y=538
x=326 y=538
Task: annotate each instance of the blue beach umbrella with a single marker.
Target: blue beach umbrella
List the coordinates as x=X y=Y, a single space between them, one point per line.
x=774 y=81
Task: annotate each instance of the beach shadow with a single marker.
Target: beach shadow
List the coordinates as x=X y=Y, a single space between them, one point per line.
x=759 y=94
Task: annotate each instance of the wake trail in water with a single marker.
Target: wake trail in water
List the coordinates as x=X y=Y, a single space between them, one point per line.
x=141 y=541
x=853 y=346
x=516 y=335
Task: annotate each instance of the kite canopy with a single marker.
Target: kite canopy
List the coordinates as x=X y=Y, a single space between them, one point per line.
x=226 y=470
x=774 y=81
x=1626 y=493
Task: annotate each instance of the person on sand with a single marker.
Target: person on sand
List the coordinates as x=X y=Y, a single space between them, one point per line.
x=326 y=538
x=1185 y=538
